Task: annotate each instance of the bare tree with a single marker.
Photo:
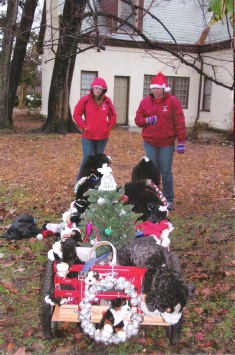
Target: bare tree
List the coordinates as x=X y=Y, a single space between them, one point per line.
x=12 y=60
x=8 y=24
x=59 y=118
x=19 y=53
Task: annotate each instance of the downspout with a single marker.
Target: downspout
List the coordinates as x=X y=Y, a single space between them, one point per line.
x=199 y=93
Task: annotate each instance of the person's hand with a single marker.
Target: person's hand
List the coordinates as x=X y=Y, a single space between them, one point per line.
x=151 y=120
x=180 y=147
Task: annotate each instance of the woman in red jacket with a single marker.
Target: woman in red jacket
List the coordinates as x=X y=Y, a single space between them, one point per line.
x=95 y=115
x=161 y=116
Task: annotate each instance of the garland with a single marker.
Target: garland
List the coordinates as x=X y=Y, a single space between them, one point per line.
x=105 y=284
x=159 y=194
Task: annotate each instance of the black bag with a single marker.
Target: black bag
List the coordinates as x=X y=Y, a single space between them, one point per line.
x=24 y=226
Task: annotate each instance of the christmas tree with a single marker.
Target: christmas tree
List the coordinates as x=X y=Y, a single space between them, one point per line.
x=109 y=217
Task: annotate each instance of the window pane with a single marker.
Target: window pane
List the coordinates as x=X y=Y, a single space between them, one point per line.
x=147 y=81
x=207 y=94
x=179 y=88
x=125 y=10
x=86 y=80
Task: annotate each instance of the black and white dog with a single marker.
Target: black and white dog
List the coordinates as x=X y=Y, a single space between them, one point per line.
x=90 y=176
x=146 y=169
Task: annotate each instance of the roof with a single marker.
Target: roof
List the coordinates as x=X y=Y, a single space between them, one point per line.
x=184 y=19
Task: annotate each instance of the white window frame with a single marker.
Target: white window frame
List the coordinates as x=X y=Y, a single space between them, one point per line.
x=179 y=88
x=86 y=79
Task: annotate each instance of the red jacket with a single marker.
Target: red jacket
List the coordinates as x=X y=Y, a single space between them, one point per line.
x=98 y=120
x=170 y=120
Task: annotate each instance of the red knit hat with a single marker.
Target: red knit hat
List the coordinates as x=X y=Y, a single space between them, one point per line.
x=160 y=81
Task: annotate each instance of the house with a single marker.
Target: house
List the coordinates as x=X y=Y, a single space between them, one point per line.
x=127 y=64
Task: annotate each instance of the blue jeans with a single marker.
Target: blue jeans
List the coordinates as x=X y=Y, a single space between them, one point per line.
x=91 y=147
x=162 y=157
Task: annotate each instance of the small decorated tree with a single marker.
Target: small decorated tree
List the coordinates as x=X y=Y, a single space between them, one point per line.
x=108 y=216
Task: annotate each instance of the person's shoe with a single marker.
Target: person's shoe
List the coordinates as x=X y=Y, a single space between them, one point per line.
x=170 y=206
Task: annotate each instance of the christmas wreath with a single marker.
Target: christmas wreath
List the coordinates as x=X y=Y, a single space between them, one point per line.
x=107 y=283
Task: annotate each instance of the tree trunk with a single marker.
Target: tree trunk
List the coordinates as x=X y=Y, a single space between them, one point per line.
x=22 y=95
x=8 y=24
x=59 y=119
x=20 y=51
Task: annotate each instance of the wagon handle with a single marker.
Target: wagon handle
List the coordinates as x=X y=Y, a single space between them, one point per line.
x=104 y=242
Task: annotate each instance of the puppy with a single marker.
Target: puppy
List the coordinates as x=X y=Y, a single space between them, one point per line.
x=90 y=176
x=146 y=169
x=65 y=251
x=163 y=284
x=113 y=319
x=93 y=163
x=141 y=193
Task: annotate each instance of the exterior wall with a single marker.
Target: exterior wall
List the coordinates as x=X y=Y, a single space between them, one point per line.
x=222 y=101
x=51 y=35
x=135 y=63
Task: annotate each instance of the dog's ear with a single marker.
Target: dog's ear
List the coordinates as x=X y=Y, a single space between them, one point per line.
x=96 y=275
x=116 y=303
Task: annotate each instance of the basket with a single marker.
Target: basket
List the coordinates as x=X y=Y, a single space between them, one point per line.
x=101 y=243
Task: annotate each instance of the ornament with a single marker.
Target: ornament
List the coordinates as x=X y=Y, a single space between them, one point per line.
x=122 y=213
x=85 y=311
x=107 y=181
x=124 y=199
x=101 y=201
x=89 y=229
x=108 y=231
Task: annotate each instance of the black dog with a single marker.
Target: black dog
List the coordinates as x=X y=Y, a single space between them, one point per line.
x=146 y=169
x=143 y=190
x=163 y=282
x=142 y=193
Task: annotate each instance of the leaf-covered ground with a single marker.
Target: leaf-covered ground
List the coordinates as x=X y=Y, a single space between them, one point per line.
x=38 y=174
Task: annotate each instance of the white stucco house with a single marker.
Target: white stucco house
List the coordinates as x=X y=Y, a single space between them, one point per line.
x=128 y=68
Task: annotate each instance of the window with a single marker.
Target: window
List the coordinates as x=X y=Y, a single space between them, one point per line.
x=86 y=80
x=120 y=9
x=206 y=102
x=179 y=87
x=125 y=11
x=147 y=81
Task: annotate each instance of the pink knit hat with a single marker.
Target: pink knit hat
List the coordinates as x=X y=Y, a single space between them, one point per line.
x=160 y=81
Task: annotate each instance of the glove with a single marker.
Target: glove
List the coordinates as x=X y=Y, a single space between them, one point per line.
x=180 y=147
x=151 y=120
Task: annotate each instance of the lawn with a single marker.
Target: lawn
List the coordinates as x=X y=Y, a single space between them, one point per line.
x=38 y=177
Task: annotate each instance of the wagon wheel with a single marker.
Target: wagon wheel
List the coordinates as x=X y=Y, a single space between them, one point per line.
x=174 y=331
x=48 y=326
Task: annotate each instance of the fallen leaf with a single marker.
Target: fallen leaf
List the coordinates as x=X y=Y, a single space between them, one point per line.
x=10 y=287
x=28 y=332
x=198 y=310
x=9 y=347
x=20 y=270
x=20 y=351
x=206 y=291
x=199 y=336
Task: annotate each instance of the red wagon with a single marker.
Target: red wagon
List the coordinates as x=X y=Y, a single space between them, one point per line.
x=80 y=299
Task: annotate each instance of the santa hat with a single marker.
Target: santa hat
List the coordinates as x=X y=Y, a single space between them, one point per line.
x=160 y=81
